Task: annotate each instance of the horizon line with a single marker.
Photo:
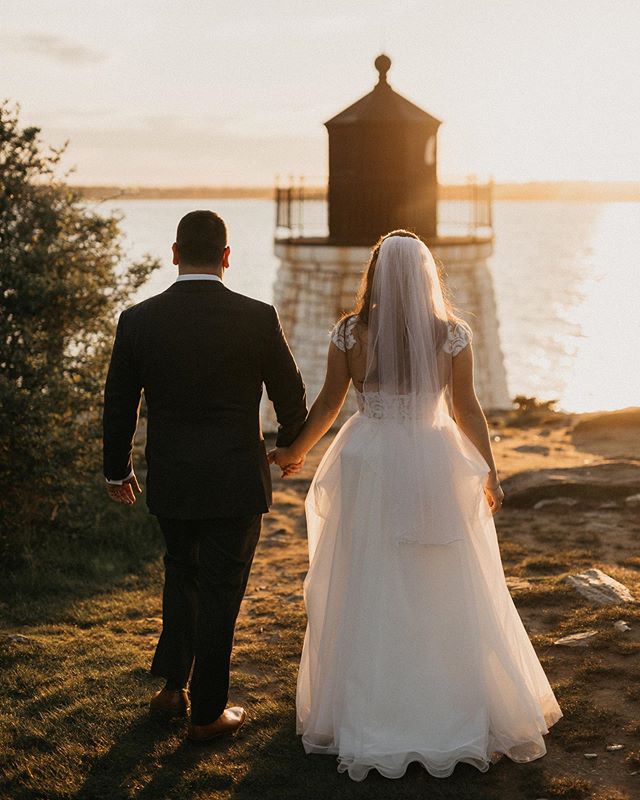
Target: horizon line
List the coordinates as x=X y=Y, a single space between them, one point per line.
x=579 y=190
x=270 y=187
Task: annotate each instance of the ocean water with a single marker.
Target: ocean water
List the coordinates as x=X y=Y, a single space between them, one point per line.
x=566 y=277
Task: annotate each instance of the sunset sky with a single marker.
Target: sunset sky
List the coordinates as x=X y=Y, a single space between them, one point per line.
x=236 y=91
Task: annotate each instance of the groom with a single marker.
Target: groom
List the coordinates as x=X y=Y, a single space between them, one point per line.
x=201 y=353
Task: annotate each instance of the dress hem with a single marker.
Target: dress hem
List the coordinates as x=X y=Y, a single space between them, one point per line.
x=468 y=754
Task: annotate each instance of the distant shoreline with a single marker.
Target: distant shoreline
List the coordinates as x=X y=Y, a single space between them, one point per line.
x=577 y=191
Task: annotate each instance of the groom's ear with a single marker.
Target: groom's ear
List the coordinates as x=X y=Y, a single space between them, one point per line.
x=225 y=257
x=176 y=254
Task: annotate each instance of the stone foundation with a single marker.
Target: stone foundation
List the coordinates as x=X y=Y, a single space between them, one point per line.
x=317 y=283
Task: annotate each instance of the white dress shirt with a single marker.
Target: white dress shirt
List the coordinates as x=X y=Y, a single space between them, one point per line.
x=192 y=276
x=198 y=276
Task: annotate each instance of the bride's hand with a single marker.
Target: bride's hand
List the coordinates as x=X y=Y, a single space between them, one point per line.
x=289 y=463
x=293 y=469
x=494 y=494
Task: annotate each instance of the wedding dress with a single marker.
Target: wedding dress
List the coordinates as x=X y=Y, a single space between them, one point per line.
x=414 y=650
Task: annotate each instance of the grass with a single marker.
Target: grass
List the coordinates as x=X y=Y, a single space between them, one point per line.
x=73 y=702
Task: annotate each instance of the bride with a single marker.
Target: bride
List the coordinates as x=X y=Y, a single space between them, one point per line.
x=414 y=650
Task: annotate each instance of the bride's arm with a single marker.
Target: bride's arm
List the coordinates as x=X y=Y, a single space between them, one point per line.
x=471 y=420
x=323 y=412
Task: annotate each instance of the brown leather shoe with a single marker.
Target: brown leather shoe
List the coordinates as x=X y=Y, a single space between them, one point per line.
x=172 y=701
x=227 y=723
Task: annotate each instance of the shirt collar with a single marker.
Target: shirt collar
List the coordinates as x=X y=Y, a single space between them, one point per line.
x=199 y=276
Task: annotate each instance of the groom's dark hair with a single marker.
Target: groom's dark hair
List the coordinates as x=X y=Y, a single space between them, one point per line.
x=201 y=238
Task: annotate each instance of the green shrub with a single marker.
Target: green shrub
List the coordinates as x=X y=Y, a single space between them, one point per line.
x=62 y=284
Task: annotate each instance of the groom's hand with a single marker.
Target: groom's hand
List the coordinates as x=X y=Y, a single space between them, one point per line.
x=126 y=493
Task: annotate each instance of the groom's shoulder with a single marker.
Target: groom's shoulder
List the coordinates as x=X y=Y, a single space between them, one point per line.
x=138 y=309
x=250 y=305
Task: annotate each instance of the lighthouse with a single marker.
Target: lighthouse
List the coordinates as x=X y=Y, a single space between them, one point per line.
x=383 y=175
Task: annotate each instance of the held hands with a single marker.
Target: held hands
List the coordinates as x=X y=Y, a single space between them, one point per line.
x=494 y=494
x=126 y=493
x=290 y=463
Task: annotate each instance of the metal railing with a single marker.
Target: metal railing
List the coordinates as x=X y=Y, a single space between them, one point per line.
x=301 y=210
x=464 y=210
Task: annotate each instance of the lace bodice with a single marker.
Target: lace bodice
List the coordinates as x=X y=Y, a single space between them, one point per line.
x=458 y=336
x=400 y=407
x=377 y=406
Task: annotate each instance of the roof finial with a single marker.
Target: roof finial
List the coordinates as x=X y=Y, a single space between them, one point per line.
x=382 y=64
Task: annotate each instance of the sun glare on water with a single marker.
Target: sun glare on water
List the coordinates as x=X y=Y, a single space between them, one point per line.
x=604 y=374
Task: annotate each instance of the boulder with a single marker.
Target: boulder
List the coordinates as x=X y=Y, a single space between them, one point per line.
x=555 y=501
x=614 y=434
x=590 y=486
x=518 y=584
x=539 y=449
x=604 y=422
x=580 y=639
x=18 y=638
x=600 y=588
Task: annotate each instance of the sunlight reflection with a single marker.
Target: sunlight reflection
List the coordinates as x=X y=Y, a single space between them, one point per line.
x=604 y=372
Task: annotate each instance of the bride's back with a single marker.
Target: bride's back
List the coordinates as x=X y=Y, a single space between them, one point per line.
x=395 y=340
x=351 y=335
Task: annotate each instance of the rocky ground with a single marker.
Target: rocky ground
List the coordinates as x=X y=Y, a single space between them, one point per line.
x=75 y=672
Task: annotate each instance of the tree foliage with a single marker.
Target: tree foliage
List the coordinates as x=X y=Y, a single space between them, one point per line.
x=63 y=279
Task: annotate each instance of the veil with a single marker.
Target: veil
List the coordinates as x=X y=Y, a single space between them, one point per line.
x=407 y=366
x=417 y=457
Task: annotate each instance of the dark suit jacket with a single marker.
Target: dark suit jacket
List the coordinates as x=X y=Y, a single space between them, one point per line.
x=201 y=353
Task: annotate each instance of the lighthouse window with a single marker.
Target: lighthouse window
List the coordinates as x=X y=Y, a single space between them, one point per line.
x=430 y=151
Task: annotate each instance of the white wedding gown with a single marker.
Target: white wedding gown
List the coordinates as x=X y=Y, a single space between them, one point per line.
x=412 y=652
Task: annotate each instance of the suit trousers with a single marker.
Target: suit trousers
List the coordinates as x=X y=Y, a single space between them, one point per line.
x=207 y=565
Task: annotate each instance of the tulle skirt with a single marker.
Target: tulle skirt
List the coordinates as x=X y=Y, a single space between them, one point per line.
x=413 y=651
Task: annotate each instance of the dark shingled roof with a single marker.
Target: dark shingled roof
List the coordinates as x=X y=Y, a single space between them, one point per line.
x=383 y=104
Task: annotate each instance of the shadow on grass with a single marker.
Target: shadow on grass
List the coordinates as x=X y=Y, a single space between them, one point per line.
x=119 y=547
x=152 y=759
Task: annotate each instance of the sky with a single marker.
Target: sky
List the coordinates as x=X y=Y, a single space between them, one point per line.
x=235 y=92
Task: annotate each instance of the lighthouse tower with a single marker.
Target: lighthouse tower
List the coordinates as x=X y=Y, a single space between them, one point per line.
x=382 y=176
